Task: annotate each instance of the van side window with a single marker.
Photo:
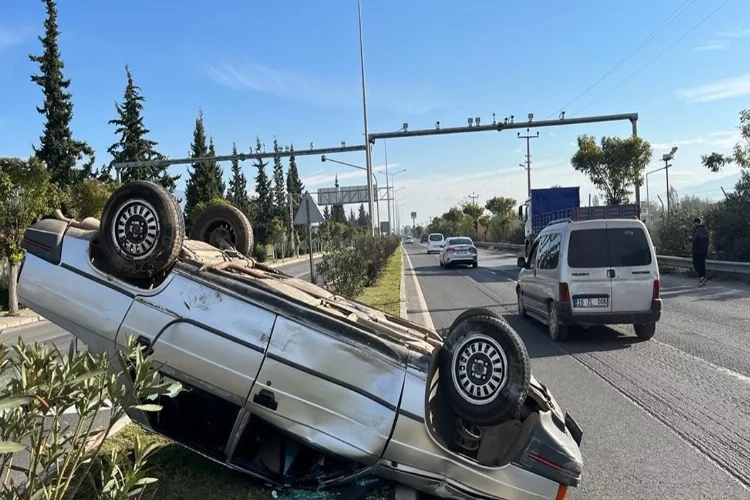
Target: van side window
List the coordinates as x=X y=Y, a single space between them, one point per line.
x=535 y=251
x=628 y=247
x=543 y=251
x=550 y=256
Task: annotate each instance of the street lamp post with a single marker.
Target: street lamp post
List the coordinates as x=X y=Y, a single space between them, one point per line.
x=368 y=146
x=387 y=189
x=391 y=197
x=666 y=158
x=369 y=182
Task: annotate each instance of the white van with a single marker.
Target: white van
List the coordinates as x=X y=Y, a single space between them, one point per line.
x=435 y=242
x=595 y=272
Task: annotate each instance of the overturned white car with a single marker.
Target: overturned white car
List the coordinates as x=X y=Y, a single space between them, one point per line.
x=289 y=382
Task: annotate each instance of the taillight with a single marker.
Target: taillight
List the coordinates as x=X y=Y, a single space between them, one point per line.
x=657 y=290
x=564 y=292
x=450 y=250
x=472 y=250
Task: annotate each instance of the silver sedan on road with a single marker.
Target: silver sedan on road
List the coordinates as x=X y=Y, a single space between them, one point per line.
x=290 y=382
x=459 y=250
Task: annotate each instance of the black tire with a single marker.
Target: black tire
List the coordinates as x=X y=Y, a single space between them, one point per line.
x=557 y=331
x=475 y=265
x=224 y=221
x=470 y=313
x=521 y=306
x=645 y=331
x=142 y=230
x=502 y=395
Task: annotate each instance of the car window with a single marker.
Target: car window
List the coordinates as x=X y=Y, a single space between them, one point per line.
x=628 y=247
x=436 y=237
x=533 y=254
x=460 y=241
x=613 y=247
x=587 y=248
x=549 y=256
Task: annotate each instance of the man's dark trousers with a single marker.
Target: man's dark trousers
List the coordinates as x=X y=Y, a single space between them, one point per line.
x=699 y=264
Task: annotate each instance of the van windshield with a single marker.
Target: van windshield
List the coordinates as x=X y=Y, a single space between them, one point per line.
x=628 y=247
x=436 y=237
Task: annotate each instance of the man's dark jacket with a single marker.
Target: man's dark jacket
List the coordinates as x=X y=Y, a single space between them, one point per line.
x=700 y=240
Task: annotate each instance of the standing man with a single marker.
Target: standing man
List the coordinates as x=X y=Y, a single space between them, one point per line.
x=700 y=249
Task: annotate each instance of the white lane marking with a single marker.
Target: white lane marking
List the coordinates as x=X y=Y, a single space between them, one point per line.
x=427 y=319
x=726 y=371
x=490 y=270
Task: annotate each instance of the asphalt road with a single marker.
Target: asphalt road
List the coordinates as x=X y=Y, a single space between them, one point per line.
x=667 y=418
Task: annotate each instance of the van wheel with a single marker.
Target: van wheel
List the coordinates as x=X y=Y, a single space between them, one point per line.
x=645 y=331
x=521 y=307
x=221 y=222
x=557 y=331
x=485 y=370
x=142 y=230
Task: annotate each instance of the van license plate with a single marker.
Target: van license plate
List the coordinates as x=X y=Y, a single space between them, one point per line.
x=591 y=303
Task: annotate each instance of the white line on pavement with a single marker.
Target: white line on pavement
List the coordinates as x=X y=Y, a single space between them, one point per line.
x=427 y=319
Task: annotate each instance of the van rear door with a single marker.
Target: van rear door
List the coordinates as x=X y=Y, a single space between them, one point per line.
x=633 y=265
x=588 y=267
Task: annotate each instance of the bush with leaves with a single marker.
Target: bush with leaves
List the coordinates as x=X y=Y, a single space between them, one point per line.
x=344 y=271
x=376 y=252
x=43 y=383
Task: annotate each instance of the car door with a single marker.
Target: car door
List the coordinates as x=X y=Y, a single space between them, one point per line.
x=330 y=385
x=588 y=268
x=212 y=341
x=633 y=268
x=529 y=289
x=547 y=269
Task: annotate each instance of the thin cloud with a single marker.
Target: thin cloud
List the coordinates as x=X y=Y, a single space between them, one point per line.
x=735 y=33
x=250 y=75
x=723 y=139
x=728 y=88
x=712 y=45
x=10 y=37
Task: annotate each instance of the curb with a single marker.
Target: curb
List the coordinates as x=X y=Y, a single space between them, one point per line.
x=10 y=322
x=291 y=260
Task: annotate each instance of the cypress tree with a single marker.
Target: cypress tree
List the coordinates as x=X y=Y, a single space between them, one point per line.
x=237 y=192
x=198 y=180
x=133 y=144
x=57 y=148
x=281 y=206
x=264 y=199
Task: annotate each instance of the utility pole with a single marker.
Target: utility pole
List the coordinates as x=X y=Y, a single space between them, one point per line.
x=528 y=138
x=474 y=197
x=291 y=224
x=388 y=189
x=368 y=144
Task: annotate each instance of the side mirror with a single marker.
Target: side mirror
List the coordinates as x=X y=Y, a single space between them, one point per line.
x=522 y=262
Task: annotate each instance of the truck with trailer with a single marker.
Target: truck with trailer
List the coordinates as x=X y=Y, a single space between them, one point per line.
x=551 y=204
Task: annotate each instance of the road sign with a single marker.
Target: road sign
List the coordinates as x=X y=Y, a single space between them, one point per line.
x=343 y=195
x=414 y=215
x=308 y=212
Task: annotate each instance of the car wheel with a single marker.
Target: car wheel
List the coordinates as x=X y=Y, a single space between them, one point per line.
x=470 y=313
x=489 y=370
x=557 y=331
x=142 y=230
x=645 y=331
x=475 y=265
x=521 y=307
x=224 y=222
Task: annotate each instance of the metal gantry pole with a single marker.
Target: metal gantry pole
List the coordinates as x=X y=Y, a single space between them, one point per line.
x=387 y=189
x=528 y=138
x=368 y=146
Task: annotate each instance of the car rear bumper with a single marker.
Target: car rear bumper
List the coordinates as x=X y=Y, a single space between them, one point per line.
x=467 y=259
x=565 y=313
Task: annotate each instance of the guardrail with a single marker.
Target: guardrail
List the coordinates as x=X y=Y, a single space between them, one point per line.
x=721 y=266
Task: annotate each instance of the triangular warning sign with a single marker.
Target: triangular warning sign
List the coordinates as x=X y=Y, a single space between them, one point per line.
x=308 y=206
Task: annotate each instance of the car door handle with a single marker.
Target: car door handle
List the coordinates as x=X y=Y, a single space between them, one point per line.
x=266 y=399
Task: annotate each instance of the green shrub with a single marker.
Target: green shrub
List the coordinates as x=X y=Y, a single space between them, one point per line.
x=344 y=271
x=260 y=253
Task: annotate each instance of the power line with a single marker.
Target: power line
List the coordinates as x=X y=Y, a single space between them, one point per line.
x=674 y=15
x=636 y=72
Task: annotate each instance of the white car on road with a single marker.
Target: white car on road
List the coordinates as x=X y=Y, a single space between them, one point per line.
x=435 y=242
x=595 y=272
x=459 y=250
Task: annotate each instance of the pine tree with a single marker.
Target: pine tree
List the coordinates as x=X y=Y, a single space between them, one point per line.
x=352 y=218
x=326 y=213
x=281 y=206
x=237 y=192
x=338 y=214
x=199 y=180
x=264 y=214
x=57 y=148
x=215 y=173
x=293 y=182
x=362 y=216
x=133 y=144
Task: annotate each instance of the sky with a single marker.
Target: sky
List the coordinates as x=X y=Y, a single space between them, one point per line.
x=291 y=70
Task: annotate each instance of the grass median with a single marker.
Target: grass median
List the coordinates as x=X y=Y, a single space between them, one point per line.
x=184 y=475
